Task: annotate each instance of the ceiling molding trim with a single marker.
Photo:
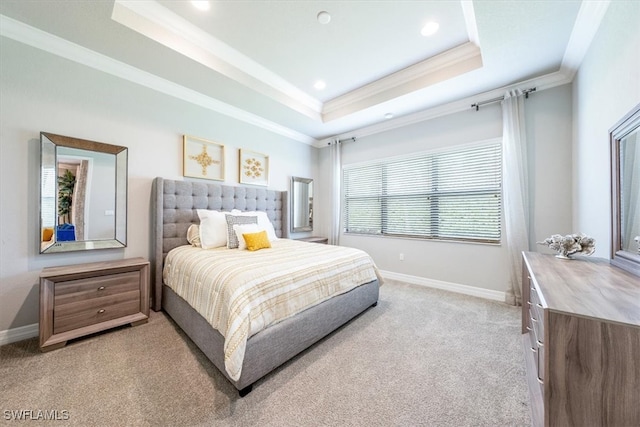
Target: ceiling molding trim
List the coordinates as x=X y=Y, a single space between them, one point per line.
x=55 y=45
x=541 y=83
x=449 y=64
x=584 y=30
x=470 y=20
x=165 y=27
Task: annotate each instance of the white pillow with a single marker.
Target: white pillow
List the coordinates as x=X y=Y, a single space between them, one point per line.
x=241 y=229
x=263 y=222
x=213 y=229
x=193 y=235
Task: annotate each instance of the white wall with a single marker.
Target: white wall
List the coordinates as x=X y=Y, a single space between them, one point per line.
x=548 y=116
x=606 y=87
x=41 y=92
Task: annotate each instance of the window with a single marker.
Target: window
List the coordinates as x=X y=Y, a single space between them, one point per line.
x=48 y=200
x=450 y=195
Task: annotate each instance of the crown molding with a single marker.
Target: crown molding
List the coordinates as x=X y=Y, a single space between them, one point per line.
x=470 y=20
x=584 y=30
x=55 y=45
x=541 y=83
x=158 y=23
x=447 y=65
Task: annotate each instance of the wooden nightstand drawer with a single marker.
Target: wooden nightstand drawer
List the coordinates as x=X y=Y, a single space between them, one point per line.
x=91 y=311
x=78 y=300
x=96 y=287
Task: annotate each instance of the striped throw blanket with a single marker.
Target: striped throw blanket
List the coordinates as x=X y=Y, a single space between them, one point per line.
x=241 y=293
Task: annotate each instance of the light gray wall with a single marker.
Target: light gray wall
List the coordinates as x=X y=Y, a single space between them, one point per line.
x=548 y=117
x=606 y=87
x=41 y=92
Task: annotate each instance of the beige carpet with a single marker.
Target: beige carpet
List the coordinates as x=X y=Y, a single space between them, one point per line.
x=421 y=357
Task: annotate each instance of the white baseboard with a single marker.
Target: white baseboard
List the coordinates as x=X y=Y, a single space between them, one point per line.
x=18 y=334
x=447 y=286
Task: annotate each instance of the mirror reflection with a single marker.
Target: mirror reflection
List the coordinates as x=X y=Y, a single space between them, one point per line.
x=301 y=204
x=630 y=192
x=83 y=194
x=624 y=138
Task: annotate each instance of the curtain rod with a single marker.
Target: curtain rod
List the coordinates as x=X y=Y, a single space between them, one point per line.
x=340 y=141
x=500 y=98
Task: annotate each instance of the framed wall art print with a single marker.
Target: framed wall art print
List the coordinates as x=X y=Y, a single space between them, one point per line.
x=254 y=168
x=202 y=158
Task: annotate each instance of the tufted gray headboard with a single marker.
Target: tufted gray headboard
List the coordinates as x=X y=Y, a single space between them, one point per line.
x=174 y=204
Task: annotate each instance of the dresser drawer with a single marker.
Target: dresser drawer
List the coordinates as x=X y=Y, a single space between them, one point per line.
x=72 y=291
x=537 y=313
x=91 y=311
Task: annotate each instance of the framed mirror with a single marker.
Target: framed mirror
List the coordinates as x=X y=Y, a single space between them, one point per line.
x=83 y=194
x=301 y=204
x=624 y=139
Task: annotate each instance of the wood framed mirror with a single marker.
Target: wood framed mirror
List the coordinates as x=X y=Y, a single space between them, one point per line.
x=624 y=139
x=83 y=194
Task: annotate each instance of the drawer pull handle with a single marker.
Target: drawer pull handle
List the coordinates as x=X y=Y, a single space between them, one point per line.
x=540 y=343
x=528 y=328
x=534 y=350
x=101 y=311
x=534 y=319
x=539 y=380
x=101 y=288
x=539 y=305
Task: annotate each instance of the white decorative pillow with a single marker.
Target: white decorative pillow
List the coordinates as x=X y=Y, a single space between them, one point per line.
x=263 y=221
x=241 y=229
x=213 y=228
x=232 y=239
x=193 y=235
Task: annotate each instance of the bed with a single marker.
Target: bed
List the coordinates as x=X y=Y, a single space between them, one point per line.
x=174 y=210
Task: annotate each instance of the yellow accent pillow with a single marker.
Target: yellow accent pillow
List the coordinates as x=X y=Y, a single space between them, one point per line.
x=257 y=241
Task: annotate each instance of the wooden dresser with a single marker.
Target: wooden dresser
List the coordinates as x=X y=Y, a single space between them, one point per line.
x=78 y=300
x=581 y=326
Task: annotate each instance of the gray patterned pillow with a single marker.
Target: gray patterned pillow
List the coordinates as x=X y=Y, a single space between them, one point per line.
x=232 y=238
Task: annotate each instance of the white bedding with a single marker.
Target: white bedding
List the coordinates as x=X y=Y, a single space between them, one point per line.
x=241 y=292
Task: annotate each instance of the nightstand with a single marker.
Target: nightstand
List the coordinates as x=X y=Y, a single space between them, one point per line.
x=82 y=299
x=314 y=239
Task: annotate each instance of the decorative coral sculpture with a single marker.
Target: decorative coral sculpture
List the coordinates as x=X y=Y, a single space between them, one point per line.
x=565 y=246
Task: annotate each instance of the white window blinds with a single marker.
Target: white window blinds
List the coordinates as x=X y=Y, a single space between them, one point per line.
x=451 y=195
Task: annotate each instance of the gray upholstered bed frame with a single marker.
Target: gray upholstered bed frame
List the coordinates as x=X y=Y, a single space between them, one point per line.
x=174 y=205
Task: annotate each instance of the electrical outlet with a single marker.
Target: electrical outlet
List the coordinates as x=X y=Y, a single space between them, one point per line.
x=401 y=257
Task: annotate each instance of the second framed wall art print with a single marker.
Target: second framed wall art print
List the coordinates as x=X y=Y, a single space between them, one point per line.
x=254 y=168
x=202 y=158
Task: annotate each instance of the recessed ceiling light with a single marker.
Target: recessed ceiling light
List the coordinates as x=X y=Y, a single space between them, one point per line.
x=319 y=85
x=324 y=17
x=201 y=4
x=430 y=28
x=388 y=116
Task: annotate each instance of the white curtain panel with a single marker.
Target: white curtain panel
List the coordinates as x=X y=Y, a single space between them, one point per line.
x=515 y=189
x=336 y=196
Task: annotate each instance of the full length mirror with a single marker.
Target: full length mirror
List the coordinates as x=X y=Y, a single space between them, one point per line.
x=301 y=204
x=625 y=197
x=83 y=194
